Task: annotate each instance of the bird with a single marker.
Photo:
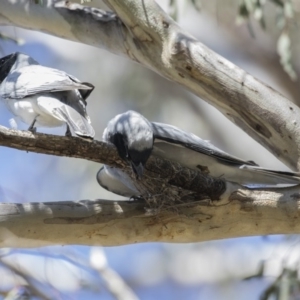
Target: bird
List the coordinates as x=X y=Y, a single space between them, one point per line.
x=44 y=97
x=117 y=181
x=136 y=139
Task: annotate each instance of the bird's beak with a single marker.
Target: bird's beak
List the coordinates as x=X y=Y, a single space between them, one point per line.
x=138 y=169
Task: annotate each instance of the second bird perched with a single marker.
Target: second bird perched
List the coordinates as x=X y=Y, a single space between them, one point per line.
x=44 y=97
x=136 y=139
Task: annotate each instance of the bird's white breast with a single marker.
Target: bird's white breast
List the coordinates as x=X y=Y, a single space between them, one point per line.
x=39 y=107
x=116 y=181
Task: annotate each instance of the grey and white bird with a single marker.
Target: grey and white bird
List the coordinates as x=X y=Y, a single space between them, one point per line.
x=44 y=97
x=136 y=139
x=117 y=182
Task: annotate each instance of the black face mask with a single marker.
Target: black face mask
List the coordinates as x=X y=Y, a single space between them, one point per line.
x=6 y=64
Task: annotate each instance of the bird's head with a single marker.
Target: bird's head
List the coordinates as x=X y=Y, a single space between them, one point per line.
x=132 y=134
x=13 y=62
x=6 y=63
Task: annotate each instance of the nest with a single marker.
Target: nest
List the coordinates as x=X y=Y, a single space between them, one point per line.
x=167 y=185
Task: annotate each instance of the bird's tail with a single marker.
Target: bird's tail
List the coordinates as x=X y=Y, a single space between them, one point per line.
x=79 y=124
x=259 y=177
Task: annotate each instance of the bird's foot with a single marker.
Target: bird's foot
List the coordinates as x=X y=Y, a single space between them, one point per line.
x=32 y=129
x=68 y=131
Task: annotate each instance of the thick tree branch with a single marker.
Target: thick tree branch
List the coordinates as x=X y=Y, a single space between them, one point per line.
x=144 y=33
x=213 y=209
x=96 y=151
x=110 y=223
x=74 y=22
x=262 y=112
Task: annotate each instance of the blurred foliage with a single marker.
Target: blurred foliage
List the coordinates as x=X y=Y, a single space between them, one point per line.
x=248 y=8
x=18 y=293
x=40 y=2
x=173 y=7
x=285 y=287
x=285 y=53
x=251 y=9
x=6 y=37
x=284 y=19
x=254 y=9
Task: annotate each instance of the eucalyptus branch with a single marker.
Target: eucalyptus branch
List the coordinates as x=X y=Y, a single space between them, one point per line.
x=112 y=223
x=143 y=32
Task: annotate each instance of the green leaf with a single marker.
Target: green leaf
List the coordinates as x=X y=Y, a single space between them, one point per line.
x=173 y=9
x=280 y=21
x=288 y=10
x=250 y=29
x=277 y=2
x=197 y=4
x=9 y=38
x=285 y=53
x=243 y=14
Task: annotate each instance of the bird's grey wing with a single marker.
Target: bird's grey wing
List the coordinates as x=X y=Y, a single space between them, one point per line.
x=276 y=177
x=73 y=99
x=77 y=122
x=80 y=125
x=232 y=168
x=172 y=134
x=35 y=79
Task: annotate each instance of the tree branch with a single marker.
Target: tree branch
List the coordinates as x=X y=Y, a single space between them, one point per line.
x=67 y=20
x=161 y=177
x=143 y=32
x=96 y=151
x=215 y=212
x=110 y=223
x=213 y=209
